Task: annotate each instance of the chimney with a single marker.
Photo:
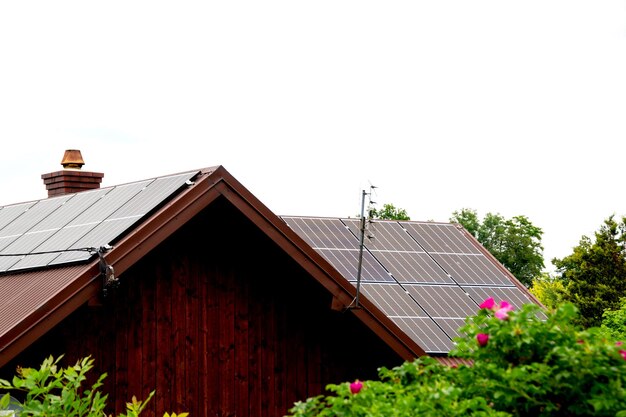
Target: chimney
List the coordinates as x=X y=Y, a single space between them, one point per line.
x=71 y=179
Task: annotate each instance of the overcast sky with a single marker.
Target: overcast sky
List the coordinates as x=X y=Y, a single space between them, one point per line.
x=517 y=108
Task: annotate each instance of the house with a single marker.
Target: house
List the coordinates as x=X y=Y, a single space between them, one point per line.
x=188 y=285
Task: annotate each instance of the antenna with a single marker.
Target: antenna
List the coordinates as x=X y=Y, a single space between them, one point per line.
x=361 y=243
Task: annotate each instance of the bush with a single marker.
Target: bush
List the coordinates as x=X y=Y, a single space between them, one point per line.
x=524 y=363
x=51 y=391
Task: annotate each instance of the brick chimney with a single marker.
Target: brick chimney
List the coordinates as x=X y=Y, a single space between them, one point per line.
x=71 y=179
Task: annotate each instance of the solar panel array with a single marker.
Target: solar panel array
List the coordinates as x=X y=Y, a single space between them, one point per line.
x=426 y=277
x=54 y=230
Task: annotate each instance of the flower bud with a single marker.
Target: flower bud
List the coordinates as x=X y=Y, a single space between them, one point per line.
x=356 y=386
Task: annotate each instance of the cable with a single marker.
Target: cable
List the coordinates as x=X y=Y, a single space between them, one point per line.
x=91 y=250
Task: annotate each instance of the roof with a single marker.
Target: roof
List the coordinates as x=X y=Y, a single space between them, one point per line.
x=427 y=277
x=57 y=270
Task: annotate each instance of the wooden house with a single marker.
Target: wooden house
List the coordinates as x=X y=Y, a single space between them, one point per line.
x=188 y=285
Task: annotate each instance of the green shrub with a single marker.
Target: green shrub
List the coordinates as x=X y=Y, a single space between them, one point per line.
x=524 y=363
x=51 y=391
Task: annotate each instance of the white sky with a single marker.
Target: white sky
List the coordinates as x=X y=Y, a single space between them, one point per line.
x=517 y=108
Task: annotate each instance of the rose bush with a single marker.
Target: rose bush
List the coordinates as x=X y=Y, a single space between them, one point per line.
x=525 y=362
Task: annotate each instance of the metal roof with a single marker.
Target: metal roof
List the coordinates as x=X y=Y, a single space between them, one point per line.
x=426 y=276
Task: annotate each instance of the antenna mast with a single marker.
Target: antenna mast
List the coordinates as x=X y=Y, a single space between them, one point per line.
x=361 y=245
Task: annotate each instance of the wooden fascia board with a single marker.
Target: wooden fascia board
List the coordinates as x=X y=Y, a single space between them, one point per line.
x=277 y=230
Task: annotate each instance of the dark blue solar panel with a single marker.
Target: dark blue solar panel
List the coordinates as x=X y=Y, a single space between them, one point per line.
x=75 y=221
x=427 y=277
x=323 y=233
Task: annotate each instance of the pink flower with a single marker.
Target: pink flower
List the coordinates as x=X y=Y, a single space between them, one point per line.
x=503 y=312
x=620 y=343
x=356 y=386
x=482 y=339
x=489 y=304
x=623 y=353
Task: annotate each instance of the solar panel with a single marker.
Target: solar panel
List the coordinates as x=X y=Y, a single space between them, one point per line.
x=8 y=214
x=393 y=300
x=449 y=301
x=346 y=262
x=426 y=277
x=426 y=333
x=412 y=267
x=472 y=269
x=440 y=238
x=384 y=235
x=511 y=294
x=323 y=233
x=76 y=221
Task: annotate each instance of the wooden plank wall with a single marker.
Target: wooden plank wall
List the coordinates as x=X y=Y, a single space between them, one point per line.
x=219 y=325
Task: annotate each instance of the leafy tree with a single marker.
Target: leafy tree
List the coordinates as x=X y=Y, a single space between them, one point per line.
x=548 y=289
x=515 y=242
x=595 y=273
x=614 y=322
x=389 y=212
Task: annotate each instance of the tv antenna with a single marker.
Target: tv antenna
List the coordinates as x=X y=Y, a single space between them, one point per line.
x=362 y=240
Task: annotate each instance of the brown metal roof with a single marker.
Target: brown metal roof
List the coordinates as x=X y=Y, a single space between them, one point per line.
x=40 y=299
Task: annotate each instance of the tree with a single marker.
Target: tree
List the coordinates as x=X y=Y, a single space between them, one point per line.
x=548 y=289
x=595 y=273
x=389 y=212
x=515 y=242
x=614 y=322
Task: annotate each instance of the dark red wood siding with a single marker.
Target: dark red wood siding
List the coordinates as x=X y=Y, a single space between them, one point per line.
x=220 y=322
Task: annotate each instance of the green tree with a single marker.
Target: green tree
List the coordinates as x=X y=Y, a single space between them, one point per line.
x=548 y=289
x=515 y=242
x=614 y=322
x=595 y=273
x=389 y=212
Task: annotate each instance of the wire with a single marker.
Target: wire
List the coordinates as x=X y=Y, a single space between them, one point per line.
x=91 y=250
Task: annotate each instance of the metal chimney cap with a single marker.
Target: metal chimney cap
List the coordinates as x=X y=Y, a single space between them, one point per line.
x=72 y=159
